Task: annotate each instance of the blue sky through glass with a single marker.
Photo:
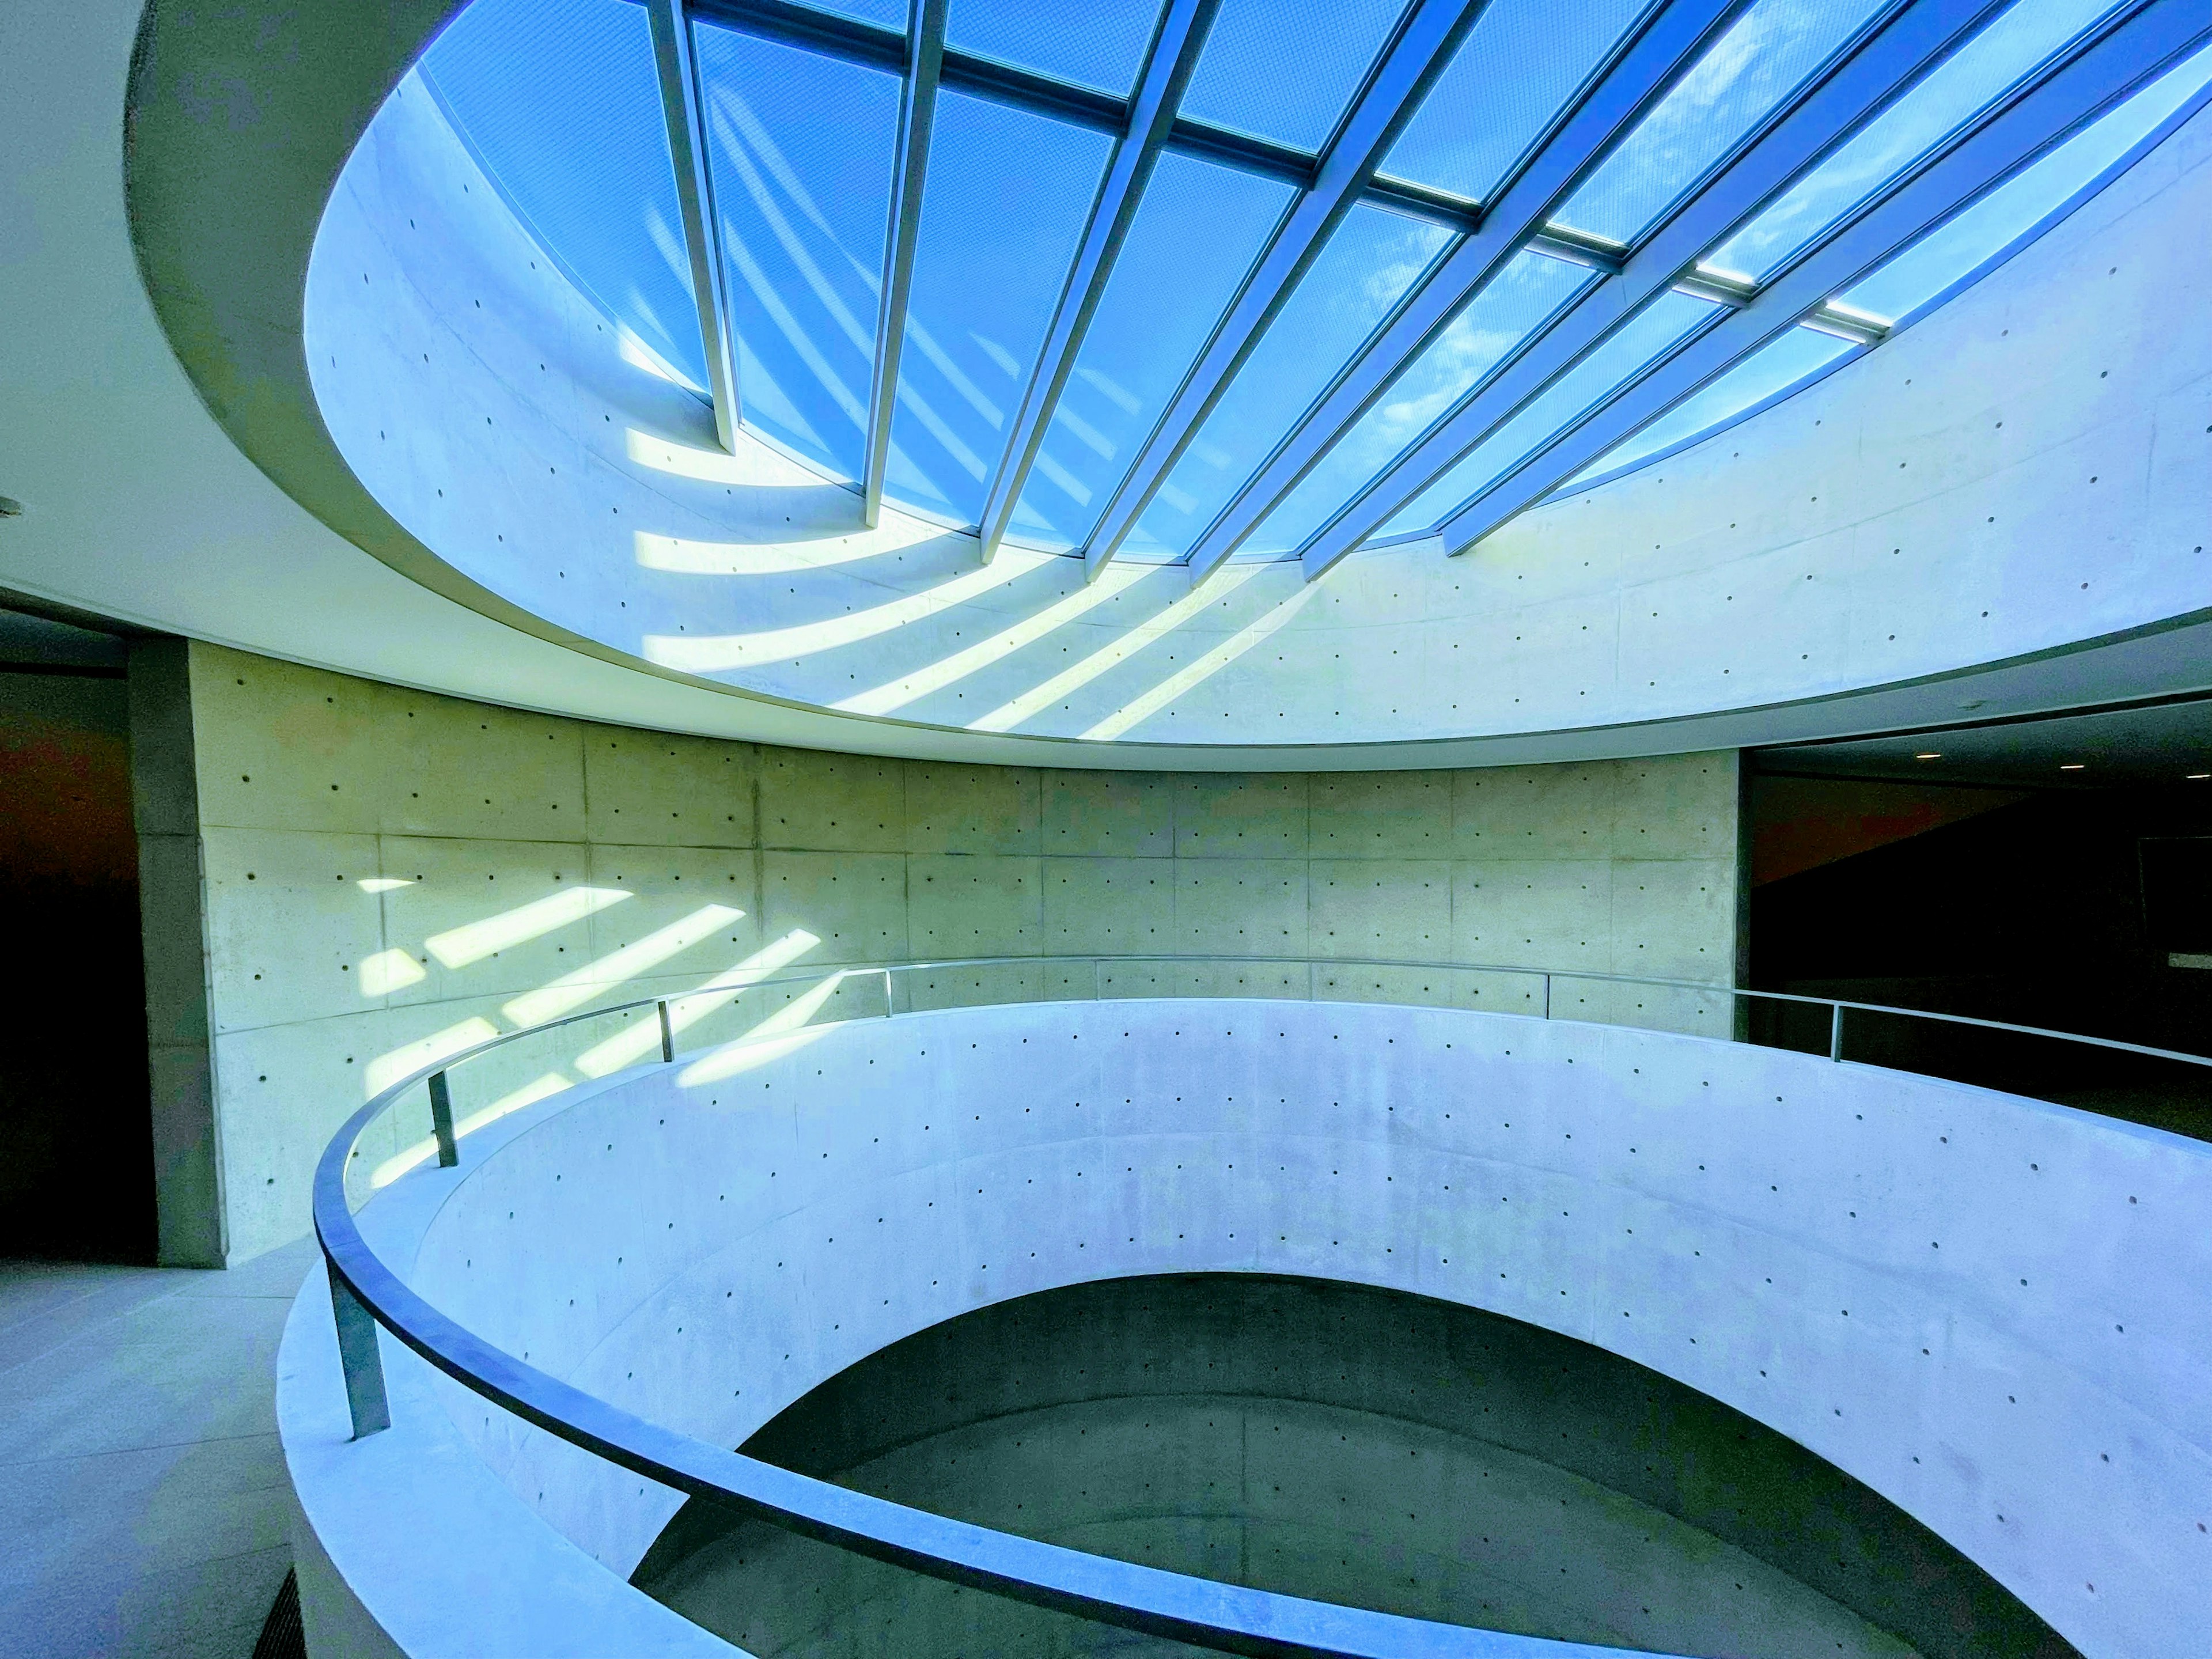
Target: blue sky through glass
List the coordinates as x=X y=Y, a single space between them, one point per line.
x=1371 y=259
x=1793 y=357
x=1007 y=195
x=1100 y=43
x=1195 y=236
x=2020 y=39
x=1639 y=344
x=1743 y=77
x=1511 y=306
x=2018 y=207
x=801 y=150
x=1520 y=64
x=558 y=101
x=1285 y=70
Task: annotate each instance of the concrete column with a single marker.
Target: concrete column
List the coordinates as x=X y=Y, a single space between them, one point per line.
x=179 y=1054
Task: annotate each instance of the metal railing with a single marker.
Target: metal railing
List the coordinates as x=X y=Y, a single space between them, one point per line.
x=365 y=1294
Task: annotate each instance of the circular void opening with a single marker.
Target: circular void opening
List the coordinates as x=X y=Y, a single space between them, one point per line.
x=1333 y=1441
x=1046 y=395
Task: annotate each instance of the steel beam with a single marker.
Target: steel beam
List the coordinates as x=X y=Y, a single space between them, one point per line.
x=684 y=117
x=925 y=54
x=1882 y=65
x=1669 y=42
x=1177 y=43
x=2127 y=52
x=1422 y=46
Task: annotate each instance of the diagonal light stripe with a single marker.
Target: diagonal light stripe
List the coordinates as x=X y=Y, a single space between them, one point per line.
x=457 y=947
x=579 y=984
x=709 y=653
x=1204 y=668
x=894 y=695
x=1225 y=581
x=423 y=1150
x=780 y=1032
x=640 y=1038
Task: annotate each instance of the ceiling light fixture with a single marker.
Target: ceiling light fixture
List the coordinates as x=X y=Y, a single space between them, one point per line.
x=2070 y=765
x=1931 y=755
x=2199 y=777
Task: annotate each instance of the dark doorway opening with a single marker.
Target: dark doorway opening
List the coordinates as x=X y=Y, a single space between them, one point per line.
x=76 y=1176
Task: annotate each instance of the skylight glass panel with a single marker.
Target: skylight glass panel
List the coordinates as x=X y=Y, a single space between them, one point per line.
x=1960 y=248
x=1742 y=78
x=890 y=13
x=1510 y=309
x=800 y=146
x=1793 y=359
x=1196 y=234
x=2028 y=35
x=1287 y=70
x=1522 y=63
x=1004 y=205
x=1100 y=43
x=1372 y=258
x=559 y=103
x=1639 y=345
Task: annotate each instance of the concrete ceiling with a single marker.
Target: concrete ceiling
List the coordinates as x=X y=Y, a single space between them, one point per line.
x=2149 y=744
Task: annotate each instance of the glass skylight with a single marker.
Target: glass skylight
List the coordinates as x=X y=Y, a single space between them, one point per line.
x=802 y=233
x=1099 y=44
x=559 y=102
x=1196 y=235
x=1374 y=257
x=1521 y=64
x=2021 y=39
x=1285 y=70
x=995 y=244
x=1626 y=356
x=1512 y=307
x=1764 y=57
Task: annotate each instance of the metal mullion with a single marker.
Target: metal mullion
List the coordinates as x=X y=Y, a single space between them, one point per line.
x=917 y=115
x=1426 y=36
x=676 y=72
x=1173 y=55
x=1887 y=62
x=1609 y=106
x=2067 y=95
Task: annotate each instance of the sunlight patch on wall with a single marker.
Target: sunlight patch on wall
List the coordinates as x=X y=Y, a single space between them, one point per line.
x=698 y=558
x=1224 y=581
x=388 y=971
x=894 y=694
x=1204 y=668
x=711 y=653
x=388 y=1068
x=382 y=883
x=578 y=986
x=457 y=947
x=779 y=1033
x=423 y=1150
x=686 y=1008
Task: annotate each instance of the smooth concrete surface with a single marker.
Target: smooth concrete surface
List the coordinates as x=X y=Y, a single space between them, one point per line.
x=2019 y=472
x=1992 y=1311
x=1333 y=1440
x=122 y=433
x=143 y=1505
x=354 y=834
x=188 y=1174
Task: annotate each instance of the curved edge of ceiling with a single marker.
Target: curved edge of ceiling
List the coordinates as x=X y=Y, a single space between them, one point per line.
x=224 y=195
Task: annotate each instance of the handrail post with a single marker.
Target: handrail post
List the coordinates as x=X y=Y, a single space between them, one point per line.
x=442 y=1120
x=667 y=1032
x=1097 y=978
x=1836 y=1031
x=1548 y=996
x=358 y=1358
x=889 y=1008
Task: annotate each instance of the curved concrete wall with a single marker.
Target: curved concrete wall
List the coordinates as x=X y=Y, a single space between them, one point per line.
x=2021 y=471
x=1995 y=1312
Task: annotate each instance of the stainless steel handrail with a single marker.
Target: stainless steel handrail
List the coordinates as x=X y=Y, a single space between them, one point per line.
x=366 y=1294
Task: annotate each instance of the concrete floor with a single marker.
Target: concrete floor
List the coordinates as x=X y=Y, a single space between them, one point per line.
x=143 y=1506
